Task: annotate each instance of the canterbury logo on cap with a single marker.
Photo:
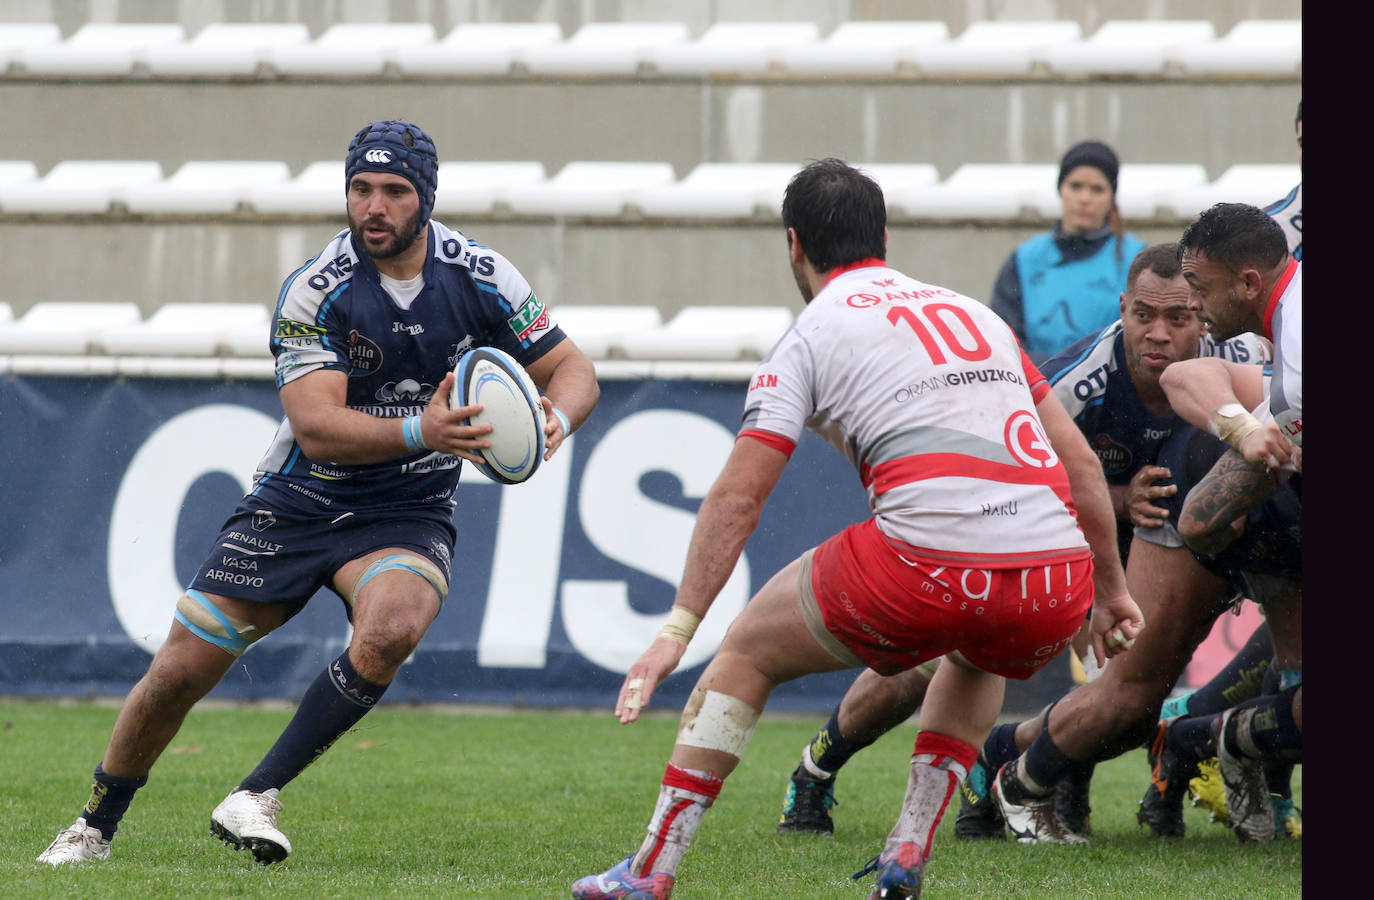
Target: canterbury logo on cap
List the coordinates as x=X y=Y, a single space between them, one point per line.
x=378 y=156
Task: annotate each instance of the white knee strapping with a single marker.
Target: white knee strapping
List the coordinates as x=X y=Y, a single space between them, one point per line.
x=715 y=721
x=417 y=565
x=213 y=625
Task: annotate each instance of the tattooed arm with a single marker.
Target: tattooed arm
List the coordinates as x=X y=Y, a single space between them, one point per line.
x=1214 y=514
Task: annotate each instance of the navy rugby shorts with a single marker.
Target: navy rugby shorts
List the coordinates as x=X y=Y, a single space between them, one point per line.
x=270 y=556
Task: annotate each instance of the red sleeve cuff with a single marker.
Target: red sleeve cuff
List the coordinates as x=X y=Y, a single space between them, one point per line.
x=1035 y=380
x=769 y=439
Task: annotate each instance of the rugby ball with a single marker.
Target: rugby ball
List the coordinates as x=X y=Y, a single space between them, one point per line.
x=510 y=405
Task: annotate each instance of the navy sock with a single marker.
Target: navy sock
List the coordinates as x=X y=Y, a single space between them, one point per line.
x=1278 y=773
x=1047 y=765
x=110 y=799
x=1240 y=680
x=830 y=749
x=1272 y=728
x=1000 y=747
x=333 y=703
x=1194 y=737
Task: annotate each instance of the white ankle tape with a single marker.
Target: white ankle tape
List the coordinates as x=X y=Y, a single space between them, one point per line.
x=715 y=721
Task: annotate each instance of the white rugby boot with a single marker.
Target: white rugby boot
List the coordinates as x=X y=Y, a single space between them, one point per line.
x=245 y=820
x=1247 y=795
x=76 y=844
x=1031 y=821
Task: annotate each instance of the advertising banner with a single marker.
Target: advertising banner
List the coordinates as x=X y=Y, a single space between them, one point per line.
x=115 y=488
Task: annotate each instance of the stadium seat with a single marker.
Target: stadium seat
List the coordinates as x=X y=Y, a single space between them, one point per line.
x=479 y=48
x=352 y=50
x=317 y=190
x=1251 y=47
x=15 y=36
x=98 y=50
x=477 y=188
x=1128 y=47
x=985 y=191
x=899 y=179
x=224 y=50
x=589 y=189
x=184 y=329
x=247 y=341
x=17 y=171
x=1143 y=189
x=79 y=186
x=599 y=331
x=64 y=328
x=863 y=48
x=604 y=48
x=1258 y=185
x=6 y=313
x=743 y=48
x=995 y=48
x=720 y=191
x=712 y=333
x=210 y=188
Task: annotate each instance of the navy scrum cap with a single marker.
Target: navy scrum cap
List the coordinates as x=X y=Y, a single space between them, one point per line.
x=398 y=148
x=1090 y=153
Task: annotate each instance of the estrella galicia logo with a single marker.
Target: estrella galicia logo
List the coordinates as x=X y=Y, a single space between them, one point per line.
x=364 y=356
x=1115 y=457
x=378 y=156
x=263 y=519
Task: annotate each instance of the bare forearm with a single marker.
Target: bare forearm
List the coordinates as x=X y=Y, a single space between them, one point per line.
x=572 y=388
x=723 y=526
x=1097 y=518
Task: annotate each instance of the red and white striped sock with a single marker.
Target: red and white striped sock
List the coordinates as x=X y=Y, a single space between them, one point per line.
x=938 y=764
x=683 y=799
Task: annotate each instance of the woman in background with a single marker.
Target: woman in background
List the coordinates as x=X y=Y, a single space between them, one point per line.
x=1066 y=283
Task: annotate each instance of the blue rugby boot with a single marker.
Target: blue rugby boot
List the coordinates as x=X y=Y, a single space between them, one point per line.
x=899 y=871
x=617 y=882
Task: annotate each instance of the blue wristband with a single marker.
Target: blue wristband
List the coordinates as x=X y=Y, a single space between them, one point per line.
x=563 y=420
x=410 y=430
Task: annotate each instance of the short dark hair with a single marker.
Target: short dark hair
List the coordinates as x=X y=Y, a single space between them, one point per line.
x=838 y=213
x=1236 y=236
x=1161 y=259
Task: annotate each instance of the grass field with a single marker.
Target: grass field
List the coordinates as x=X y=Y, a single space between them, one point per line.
x=471 y=804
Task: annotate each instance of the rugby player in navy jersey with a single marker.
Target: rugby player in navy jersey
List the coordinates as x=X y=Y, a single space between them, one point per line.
x=1109 y=384
x=355 y=493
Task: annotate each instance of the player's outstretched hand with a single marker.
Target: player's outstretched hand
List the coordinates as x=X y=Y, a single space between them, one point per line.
x=443 y=429
x=1116 y=623
x=1267 y=447
x=644 y=677
x=1143 y=491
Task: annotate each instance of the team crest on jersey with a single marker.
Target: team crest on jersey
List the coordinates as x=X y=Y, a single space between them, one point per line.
x=531 y=320
x=407 y=390
x=459 y=349
x=1115 y=457
x=364 y=356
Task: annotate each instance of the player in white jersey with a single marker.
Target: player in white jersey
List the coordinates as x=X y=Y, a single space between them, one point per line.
x=1108 y=383
x=973 y=549
x=1243 y=278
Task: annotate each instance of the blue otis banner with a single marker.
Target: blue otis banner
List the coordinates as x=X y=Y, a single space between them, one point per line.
x=115 y=490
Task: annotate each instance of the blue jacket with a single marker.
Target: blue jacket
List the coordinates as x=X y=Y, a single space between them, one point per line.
x=1057 y=287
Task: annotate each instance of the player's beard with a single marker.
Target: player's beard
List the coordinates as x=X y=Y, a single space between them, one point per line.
x=401 y=238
